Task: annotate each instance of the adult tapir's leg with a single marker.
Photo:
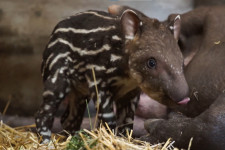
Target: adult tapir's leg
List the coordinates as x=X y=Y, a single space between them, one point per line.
x=207 y=129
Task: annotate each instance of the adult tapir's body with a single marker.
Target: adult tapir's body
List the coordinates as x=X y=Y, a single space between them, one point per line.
x=127 y=53
x=202 y=41
x=205 y=72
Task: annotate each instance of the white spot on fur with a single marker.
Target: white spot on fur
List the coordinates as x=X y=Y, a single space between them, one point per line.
x=61 y=95
x=46 y=93
x=171 y=28
x=46 y=141
x=115 y=37
x=92 y=83
x=46 y=133
x=47 y=107
x=54 y=79
x=115 y=57
x=108 y=115
x=57 y=72
x=110 y=70
x=70 y=59
x=96 y=67
x=79 y=64
x=42 y=123
x=106 y=103
x=67 y=90
x=61 y=70
x=129 y=37
x=71 y=71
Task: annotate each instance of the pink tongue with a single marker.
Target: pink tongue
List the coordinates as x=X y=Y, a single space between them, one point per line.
x=184 y=101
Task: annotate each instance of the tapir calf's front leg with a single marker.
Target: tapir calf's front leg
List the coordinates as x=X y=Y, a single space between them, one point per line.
x=105 y=112
x=125 y=109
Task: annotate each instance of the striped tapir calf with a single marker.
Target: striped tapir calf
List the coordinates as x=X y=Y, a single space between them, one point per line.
x=128 y=53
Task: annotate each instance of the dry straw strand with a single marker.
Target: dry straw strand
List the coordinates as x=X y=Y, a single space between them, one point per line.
x=97 y=103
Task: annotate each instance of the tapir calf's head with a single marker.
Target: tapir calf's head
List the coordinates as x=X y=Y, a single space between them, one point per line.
x=155 y=59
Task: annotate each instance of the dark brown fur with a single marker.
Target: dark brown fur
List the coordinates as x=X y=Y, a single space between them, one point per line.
x=202 y=43
x=204 y=29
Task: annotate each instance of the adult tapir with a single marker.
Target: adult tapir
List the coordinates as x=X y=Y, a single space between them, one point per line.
x=202 y=37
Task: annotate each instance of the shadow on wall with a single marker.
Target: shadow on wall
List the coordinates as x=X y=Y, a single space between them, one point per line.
x=24 y=31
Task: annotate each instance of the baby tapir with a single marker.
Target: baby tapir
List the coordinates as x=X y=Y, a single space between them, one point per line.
x=127 y=53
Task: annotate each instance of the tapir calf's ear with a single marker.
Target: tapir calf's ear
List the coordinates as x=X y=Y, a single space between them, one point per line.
x=175 y=27
x=130 y=23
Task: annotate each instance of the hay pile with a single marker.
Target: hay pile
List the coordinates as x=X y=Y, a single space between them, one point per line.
x=102 y=139
x=21 y=138
x=105 y=139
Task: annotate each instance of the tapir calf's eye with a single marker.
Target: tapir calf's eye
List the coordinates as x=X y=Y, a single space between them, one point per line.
x=151 y=63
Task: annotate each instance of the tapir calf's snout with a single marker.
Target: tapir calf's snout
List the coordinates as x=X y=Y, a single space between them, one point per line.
x=179 y=91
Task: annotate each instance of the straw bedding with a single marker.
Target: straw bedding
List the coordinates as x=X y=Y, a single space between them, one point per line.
x=103 y=138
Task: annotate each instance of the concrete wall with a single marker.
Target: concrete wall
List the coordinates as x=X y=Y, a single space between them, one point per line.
x=25 y=27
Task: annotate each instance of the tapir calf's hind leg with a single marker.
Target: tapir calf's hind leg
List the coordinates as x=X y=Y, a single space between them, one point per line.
x=52 y=95
x=72 y=119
